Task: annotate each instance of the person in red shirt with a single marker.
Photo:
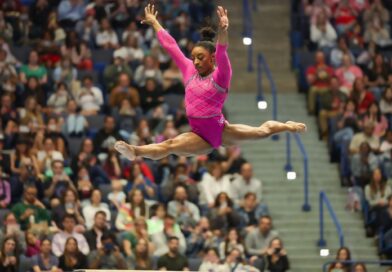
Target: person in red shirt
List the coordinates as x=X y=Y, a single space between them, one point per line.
x=362 y=97
x=318 y=77
x=345 y=16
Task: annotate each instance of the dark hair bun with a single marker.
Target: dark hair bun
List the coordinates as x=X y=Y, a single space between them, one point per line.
x=207 y=34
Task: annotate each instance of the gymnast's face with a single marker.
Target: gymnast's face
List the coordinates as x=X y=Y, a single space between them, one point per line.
x=203 y=60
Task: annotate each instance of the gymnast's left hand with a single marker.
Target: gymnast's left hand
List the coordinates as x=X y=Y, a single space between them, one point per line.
x=223 y=18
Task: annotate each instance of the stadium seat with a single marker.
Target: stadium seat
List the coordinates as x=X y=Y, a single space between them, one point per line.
x=74 y=145
x=21 y=53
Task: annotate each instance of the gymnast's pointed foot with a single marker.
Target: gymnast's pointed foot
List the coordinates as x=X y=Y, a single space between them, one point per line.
x=126 y=150
x=296 y=127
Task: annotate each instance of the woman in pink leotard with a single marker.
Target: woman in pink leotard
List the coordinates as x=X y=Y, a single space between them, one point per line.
x=207 y=79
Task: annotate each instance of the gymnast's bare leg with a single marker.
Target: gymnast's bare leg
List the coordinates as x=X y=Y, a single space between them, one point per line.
x=186 y=144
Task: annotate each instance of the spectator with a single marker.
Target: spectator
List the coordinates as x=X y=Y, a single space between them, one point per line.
x=246 y=183
x=318 y=77
x=33 y=68
x=11 y=228
x=185 y=212
x=48 y=155
x=57 y=102
x=131 y=238
x=141 y=259
x=380 y=122
x=113 y=71
x=223 y=215
x=124 y=90
x=75 y=124
x=8 y=74
x=277 y=257
x=108 y=256
x=139 y=180
x=213 y=182
x=117 y=196
x=99 y=228
x=87 y=29
x=148 y=69
x=93 y=207
x=45 y=261
x=106 y=37
x=151 y=98
x=5 y=190
x=359 y=267
x=345 y=16
x=232 y=241
x=22 y=154
x=69 y=204
x=365 y=136
x=72 y=258
x=33 y=244
x=347 y=123
x=386 y=144
x=173 y=260
x=376 y=10
x=202 y=237
x=106 y=136
x=257 y=241
x=336 y=56
x=342 y=255
x=161 y=240
x=30 y=117
x=134 y=53
x=347 y=74
x=235 y=263
x=377 y=75
x=65 y=72
x=70 y=11
x=39 y=14
x=60 y=238
x=34 y=89
x=363 y=164
x=386 y=105
x=322 y=32
x=251 y=210
x=9 y=255
x=30 y=210
x=172 y=80
x=330 y=105
x=90 y=98
x=112 y=167
x=210 y=261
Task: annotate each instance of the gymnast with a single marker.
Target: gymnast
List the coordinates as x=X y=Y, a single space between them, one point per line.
x=206 y=79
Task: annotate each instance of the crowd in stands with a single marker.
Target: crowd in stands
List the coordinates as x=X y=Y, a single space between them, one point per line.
x=348 y=81
x=77 y=75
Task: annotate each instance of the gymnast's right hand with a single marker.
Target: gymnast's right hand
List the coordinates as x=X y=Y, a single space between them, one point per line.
x=150 y=15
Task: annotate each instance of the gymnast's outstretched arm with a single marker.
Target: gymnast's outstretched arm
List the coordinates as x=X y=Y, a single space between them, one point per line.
x=167 y=41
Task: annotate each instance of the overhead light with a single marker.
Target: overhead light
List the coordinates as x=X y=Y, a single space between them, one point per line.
x=291 y=175
x=262 y=105
x=324 y=252
x=247 y=41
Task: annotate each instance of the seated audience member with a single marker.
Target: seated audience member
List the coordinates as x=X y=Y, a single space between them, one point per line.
x=108 y=256
x=277 y=260
x=9 y=255
x=235 y=263
x=173 y=260
x=75 y=124
x=5 y=190
x=72 y=258
x=342 y=255
x=212 y=183
x=347 y=74
x=11 y=228
x=98 y=229
x=386 y=105
x=106 y=136
x=185 y=212
x=318 y=77
x=141 y=258
x=106 y=37
x=210 y=261
x=69 y=204
x=30 y=210
x=380 y=122
x=232 y=241
x=223 y=214
x=202 y=237
x=93 y=207
x=322 y=32
x=130 y=238
x=90 y=98
x=250 y=211
x=246 y=183
x=113 y=71
x=44 y=260
x=361 y=96
x=257 y=241
x=331 y=103
x=347 y=123
x=148 y=69
x=363 y=164
x=160 y=239
x=33 y=244
x=59 y=239
x=365 y=136
x=122 y=90
x=360 y=267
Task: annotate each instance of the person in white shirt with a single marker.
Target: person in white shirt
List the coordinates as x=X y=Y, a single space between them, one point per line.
x=90 y=98
x=59 y=239
x=322 y=32
x=212 y=183
x=246 y=183
x=93 y=207
x=107 y=37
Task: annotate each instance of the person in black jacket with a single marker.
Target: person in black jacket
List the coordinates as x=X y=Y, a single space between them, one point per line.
x=277 y=257
x=72 y=258
x=98 y=229
x=107 y=136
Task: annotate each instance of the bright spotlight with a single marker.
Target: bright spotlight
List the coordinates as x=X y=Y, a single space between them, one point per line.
x=324 y=252
x=247 y=41
x=291 y=175
x=262 y=105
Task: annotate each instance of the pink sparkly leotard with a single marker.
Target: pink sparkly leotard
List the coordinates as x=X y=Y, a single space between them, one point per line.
x=204 y=96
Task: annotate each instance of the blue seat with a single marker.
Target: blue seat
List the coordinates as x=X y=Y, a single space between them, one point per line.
x=21 y=53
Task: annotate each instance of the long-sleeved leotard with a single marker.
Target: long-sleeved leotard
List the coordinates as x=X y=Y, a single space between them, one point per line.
x=204 y=96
